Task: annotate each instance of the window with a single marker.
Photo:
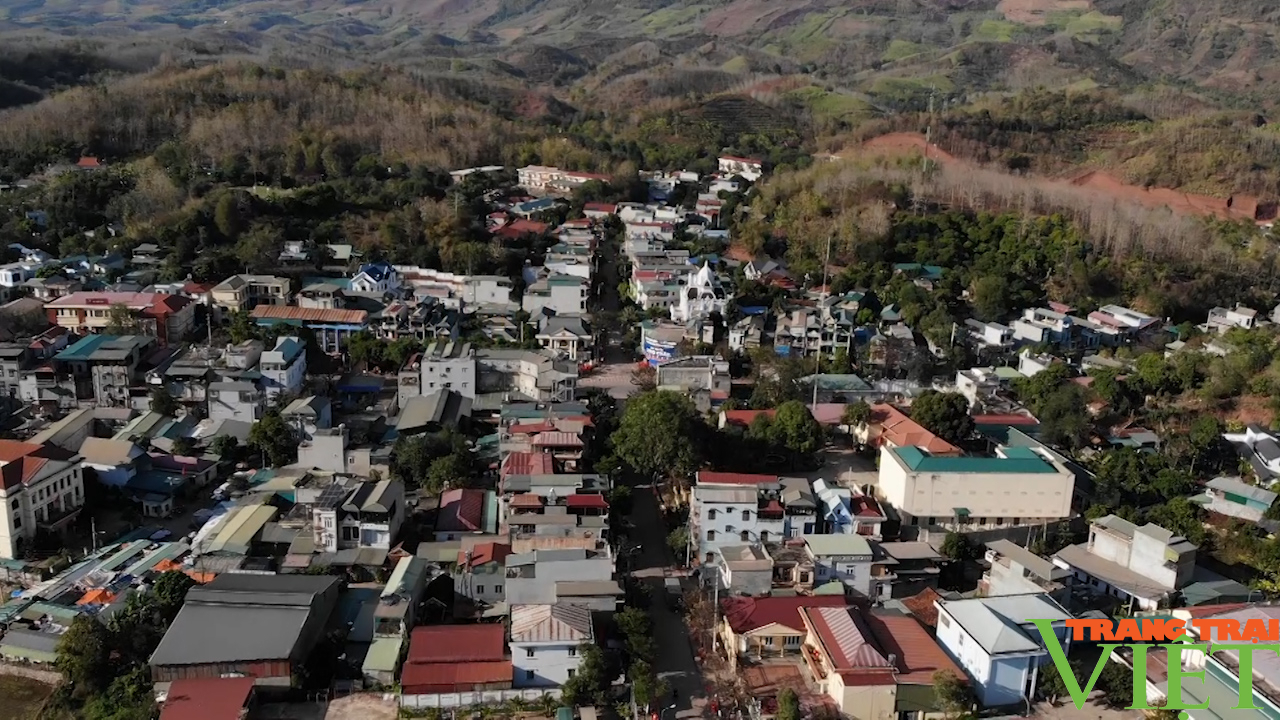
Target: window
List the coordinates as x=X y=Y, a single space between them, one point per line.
x=711 y=514
x=528 y=652
x=497 y=589
x=768 y=641
x=711 y=535
x=573 y=652
x=764 y=536
x=804 y=577
x=746 y=514
x=944 y=621
x=744 y=536
x=479 y=589
x=528 y=674
x=791 y=641
x=999 y=521
x=572 y=672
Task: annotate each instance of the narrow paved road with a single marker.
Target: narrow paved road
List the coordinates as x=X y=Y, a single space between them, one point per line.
x=676 y=663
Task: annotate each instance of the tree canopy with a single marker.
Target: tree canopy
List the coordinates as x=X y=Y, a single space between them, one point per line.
x=659 y=434
x=943 y=414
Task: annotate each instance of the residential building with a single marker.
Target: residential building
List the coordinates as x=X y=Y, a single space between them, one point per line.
x=466 y=511
x=569 y=335
x=434 y=412
x=1015 y=570
x=745 y=570
x=394 y=616
x=325 y=450
x=448 y=366
x=758 y=628
x=1121 y=324
x=543 y=179
x=1140 y=565
x=1212 y=683
x=284 y=367
x=1018 y=486
x=1260 y=448
x=546 y=641
x=357 y=515
x=537 y=374
x=734 y=509
x=989 y=335
x=308 y=414
x=242 y=293
x=1235 y=498
x=910 y=567
x=331 y=327
x=749 y=168
x=168 y=318
x=451 y=659
x=376 y=278
x=995 y=642
x=322 y=296
x=704 y=377
x=846 y=559
x=536 y=577
x=1223 y=319
x=213 y=698
x=236 y=400
x=844 y=511
x=873 y=665
x=890 y=427
x=700 y=295
x=41 y=488
x=103 y=367
x=259 y=626
x=15 y=358
x=481 y=575
x=561 y=294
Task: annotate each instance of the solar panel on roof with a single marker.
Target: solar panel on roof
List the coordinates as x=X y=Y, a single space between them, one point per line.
x=331 y=496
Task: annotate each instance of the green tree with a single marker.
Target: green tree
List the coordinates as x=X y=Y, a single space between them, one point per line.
x=589 y=683
x=660 y=434
x=226 y=217
x=163 y=402
x=1064 y=419
x=794 y=429
x=84 y=656
x=957 y=547
x=241 y=328
x=1179 y=516
x=367 y=348
x=170 y=591
x=943 y=414
x=226 y=447
x=273 y=437
x=120 y=321
x=401 y=349
x=678 y=540
x=620 y=501
x=991 y=299
x=856 y=414
x=788 y=705
x=451 y=471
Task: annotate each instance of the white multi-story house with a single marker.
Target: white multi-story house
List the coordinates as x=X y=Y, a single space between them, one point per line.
x=735 y=509
x=448 y=366
x=242 y=293
x=41 y=486
x=375 y=278
x=284 y=367
x=1143 y=565
x=997 y=645
x=537 y=374
x=848 y=560
x=1018 y=486
x=368 y=514
x=562 y=294
x=235 y=400
x=546 y=643
x=700 y=296
x=749 y=168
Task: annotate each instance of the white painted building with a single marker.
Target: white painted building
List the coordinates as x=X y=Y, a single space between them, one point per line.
x=449 y=366
x=562 y=294
x=700 y=296
x=41 y=486
x=546 y=643
x=735 y=509
x=1018 y=486
x=749 y=168
x=1142 y=565
x=994 y=641
x=284 y=367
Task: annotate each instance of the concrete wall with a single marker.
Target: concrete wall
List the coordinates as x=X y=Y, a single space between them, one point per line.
x=1000 y=498
x=549 y=666
x=467 y=699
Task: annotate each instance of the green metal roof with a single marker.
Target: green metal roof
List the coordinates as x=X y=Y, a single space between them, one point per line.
x=1018 y=460
x=383 y=655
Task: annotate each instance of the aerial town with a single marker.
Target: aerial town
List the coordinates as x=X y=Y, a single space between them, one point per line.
x=646 y=475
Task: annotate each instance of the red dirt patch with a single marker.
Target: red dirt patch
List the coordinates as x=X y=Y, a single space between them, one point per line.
x=905 y=143
x=1035 y=12
x=1238 y=208
x=739 y=17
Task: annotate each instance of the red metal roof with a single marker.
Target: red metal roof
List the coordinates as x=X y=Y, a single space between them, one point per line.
x=600 y=207
x=557 y=439
x=528 y=463
x=461 y=510
x=457 y=643
x=485 y=553
x=207 y=698
x=587 y=501
x=918 y=654
x=526 y=500
x=923 y=606
x=901 y=431
x=707 y=477
x=845 y=638
x=744 y=418
x=864 y=506
x=321 y=315
x=745 y=614
x=22 y=461
x=446 y=677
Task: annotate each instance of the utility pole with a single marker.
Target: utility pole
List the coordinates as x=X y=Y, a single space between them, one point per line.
x=817 y=364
